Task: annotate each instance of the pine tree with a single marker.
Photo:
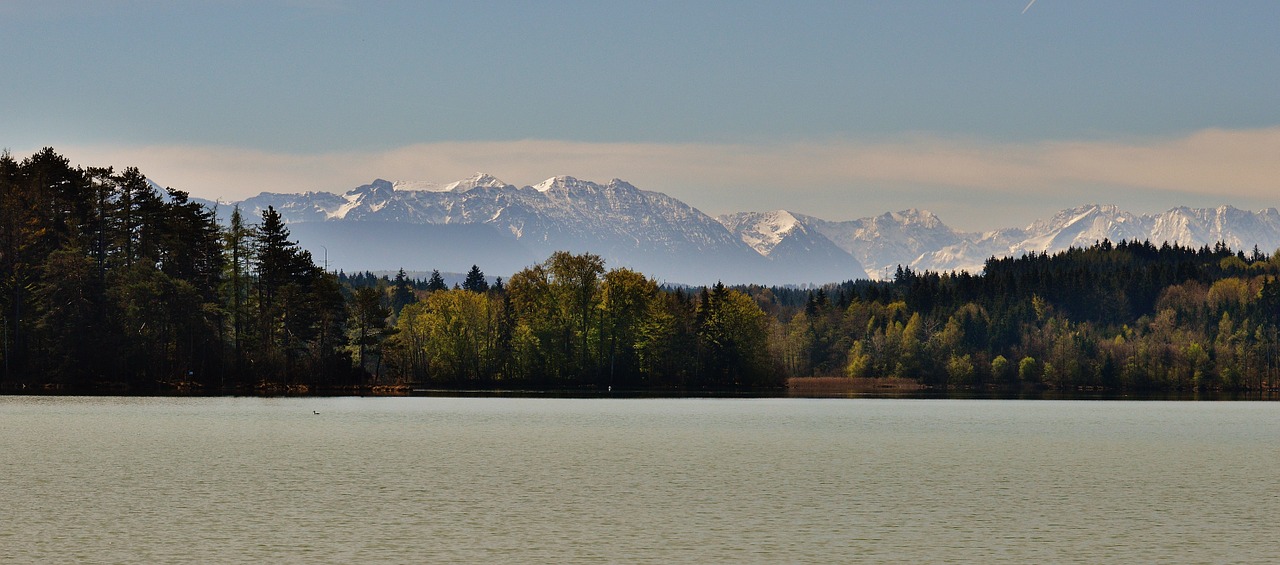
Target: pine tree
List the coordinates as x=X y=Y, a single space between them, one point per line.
x=368 y=317
x=436 y=282
x=475 y=281
x=136 y=218
x=401 y=292
x=281 y=268
x=237 y=245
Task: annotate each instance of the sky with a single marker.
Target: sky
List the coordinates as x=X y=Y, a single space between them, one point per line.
x=989 y=113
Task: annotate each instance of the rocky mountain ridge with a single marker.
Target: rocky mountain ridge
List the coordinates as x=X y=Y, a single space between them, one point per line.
x=503 y=228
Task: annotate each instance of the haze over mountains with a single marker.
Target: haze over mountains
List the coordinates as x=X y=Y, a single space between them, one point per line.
x=503 y=228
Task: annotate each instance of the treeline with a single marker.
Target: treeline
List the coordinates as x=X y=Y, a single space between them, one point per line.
x=109 y=282
x=1113 y=316
x=569 y=322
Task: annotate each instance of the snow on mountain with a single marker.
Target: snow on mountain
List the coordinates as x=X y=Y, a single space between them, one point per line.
x=419 y=186
x=790 y=244
x=761 y=230
x=967 y=255
x=672 y=241
x=304 y=207
x=1074 y=227
x=647 y=231
x=643 y=230
x=920 y=240
x=1087 y=225
x=367 y=202
x=883 y=242
x=478 y=180
x=563 y=183
x=155 y=186
x=1080 y=227
x=1239 y=229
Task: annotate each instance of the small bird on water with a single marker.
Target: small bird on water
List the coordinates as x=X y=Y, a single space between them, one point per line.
x=314 y=412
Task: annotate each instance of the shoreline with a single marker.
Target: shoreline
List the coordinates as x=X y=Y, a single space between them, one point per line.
x=796 y=387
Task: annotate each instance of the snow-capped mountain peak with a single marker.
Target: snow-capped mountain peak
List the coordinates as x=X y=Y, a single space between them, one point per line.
x=550 y=183
x=567 y=183
x=1081 y=227
x=373 y=196
x=762 y=231
x=788 y=242
x=661 y=236
x=916 y=217
x=563 y=182
x=1239 y=229
x=478 y=180
x=621 y=185
x=378 y=189
x=418 y=186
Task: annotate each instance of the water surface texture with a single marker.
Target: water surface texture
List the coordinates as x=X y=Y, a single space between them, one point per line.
x=243 y=480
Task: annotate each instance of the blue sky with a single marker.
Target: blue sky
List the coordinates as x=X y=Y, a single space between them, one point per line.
x=982 y=113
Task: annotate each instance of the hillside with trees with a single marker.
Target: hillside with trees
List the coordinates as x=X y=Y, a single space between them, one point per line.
x=1111 y=316
x=110 y=284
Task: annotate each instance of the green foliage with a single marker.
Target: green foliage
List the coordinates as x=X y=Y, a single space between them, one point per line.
x=960 y=370
x=859 y=362
x=568 y=322
x=1028 y=370
x=107 y=281
x=1001 y=370
x=1126 y=315
x=625 y=296
x=449 y=336
x=733 y=334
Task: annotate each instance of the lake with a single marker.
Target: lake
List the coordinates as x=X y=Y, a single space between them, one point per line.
x=560 y=480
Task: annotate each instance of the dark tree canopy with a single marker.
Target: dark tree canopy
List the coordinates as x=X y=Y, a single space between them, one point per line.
x=436 y=282
x=110 y=283
x=475 y=281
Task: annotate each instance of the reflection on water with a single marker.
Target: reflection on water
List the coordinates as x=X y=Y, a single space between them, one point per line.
x=431 y=479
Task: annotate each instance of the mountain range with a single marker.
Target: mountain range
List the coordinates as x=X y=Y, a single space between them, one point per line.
x=502 y=228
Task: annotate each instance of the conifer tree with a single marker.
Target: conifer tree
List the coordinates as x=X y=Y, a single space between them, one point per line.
x=401 y=292
x=368 y=317
x=238 y=241
x=282 y=268
x=475 y=281
x=436 y=282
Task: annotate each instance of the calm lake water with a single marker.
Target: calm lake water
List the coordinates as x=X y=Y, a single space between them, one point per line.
x=415 y=480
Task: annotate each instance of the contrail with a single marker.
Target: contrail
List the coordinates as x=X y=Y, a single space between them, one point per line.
x=1024 y=10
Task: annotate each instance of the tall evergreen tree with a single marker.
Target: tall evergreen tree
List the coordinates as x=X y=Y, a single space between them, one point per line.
x=436 y=282
x=136 y=217
x=238 y=239
x=475 y=281
x=368 y=325
x=401 y=292
x=281 y=271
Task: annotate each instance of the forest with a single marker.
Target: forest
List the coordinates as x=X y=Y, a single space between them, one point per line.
x=111 y=284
